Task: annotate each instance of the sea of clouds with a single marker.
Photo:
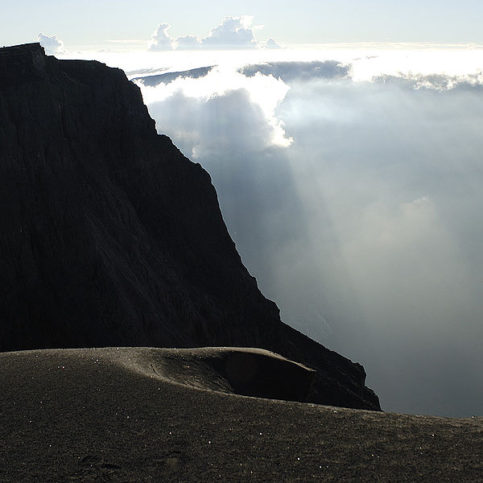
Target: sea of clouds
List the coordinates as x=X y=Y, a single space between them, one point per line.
x=357 y=204
x=351 y=181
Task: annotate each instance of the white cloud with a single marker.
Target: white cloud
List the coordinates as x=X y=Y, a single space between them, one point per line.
x=51 y=45
x=189 y=42
x=161 y=40
x=232 y=33
x=259 y=95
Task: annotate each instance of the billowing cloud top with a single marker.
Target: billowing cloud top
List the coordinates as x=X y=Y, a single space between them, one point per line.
x=232 y=33
x=51 y=45
x=161 y=40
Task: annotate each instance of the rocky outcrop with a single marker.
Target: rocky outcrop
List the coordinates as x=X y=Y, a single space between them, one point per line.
x=109 y=236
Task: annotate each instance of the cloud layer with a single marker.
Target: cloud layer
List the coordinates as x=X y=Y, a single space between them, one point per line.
x=161 y=40
x=366 y=228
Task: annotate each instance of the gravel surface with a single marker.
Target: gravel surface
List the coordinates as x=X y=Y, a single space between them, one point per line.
x=125 y=414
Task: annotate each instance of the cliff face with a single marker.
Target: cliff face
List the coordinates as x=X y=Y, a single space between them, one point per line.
x=109 y=236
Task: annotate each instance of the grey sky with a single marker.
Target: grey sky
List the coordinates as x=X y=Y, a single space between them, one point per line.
x=94 y=22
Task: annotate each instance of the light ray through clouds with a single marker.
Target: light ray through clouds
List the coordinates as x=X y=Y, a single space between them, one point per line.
x=356 y=204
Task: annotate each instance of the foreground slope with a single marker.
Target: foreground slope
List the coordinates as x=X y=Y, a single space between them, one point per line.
x=156 y=415
x=109 y=236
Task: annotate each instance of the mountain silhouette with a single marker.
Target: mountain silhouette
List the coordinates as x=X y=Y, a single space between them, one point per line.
x=109 y=236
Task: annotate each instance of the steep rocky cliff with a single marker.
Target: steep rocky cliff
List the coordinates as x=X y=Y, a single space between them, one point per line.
x=109 y=236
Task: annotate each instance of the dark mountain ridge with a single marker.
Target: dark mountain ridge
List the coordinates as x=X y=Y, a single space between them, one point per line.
x=109 y=236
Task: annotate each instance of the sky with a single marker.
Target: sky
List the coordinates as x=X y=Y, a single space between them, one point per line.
x=344 y=141
x=81 y=23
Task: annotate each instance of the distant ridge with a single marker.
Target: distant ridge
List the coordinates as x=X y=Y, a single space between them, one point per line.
x=109 y=236
x=167 y=77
